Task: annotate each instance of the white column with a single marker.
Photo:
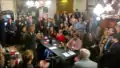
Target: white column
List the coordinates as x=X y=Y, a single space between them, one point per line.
x=52 y=9
x=80 y=4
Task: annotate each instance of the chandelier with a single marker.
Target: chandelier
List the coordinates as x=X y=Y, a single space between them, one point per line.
x=39 y=3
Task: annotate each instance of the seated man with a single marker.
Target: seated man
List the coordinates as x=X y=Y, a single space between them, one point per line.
x=85 y=62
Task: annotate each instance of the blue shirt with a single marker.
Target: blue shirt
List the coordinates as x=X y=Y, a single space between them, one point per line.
x=79 y=26
x=106 y=47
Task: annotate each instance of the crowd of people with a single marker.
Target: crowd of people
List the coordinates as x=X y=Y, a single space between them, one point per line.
x=71 y=29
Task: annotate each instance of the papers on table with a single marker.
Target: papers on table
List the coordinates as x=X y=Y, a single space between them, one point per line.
x=69 y=53
x=52 y=48
x=66 y=54
x=54 y=44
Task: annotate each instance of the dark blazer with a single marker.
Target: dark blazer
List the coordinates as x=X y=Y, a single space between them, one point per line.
x=77 y=15
x=30 y=41
x=11 y=27
x=111 y=58
x=11 y=33
x=57 y=18
x=2 y=31
x=64 y=18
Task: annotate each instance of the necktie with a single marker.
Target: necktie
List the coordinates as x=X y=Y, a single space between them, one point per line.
x=107 y=44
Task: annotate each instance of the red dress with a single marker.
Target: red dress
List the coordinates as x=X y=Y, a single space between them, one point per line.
x=60 y=38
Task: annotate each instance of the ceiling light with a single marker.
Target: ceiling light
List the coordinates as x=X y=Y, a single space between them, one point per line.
x=98 y=18
x=108 y=8
x=48 y=3
x=37 y=4
x=30 y=3
x=98 y=10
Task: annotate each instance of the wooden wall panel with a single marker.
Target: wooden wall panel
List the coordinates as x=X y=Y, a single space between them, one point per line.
x=64 y=6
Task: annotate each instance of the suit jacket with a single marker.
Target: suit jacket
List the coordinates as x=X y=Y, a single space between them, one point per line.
x=11 y=27
x=77 y=15
x=2 y=31
x=30 y=41
x=57 y=17
x=85 y=63
x=111 y=58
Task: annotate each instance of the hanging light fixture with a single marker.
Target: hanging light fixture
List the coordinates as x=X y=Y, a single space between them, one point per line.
x=41 y=2
x=108 y=8
x=48 y=3
x=36 y=4
x=30 y=3
x=98 y=10
x=27 y=3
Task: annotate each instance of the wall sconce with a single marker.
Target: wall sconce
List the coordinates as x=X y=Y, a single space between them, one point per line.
x=64 y=1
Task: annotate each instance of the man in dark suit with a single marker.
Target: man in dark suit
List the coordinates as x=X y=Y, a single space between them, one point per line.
x=2 y=30
x=30 y=41
x=57 y=19
x=77 y=14
x=11 y=32
x=19 y=25
x=30 y=38
x=111 y=58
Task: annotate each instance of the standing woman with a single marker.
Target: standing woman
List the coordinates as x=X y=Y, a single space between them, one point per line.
x=40 y=25
x=52 y=32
